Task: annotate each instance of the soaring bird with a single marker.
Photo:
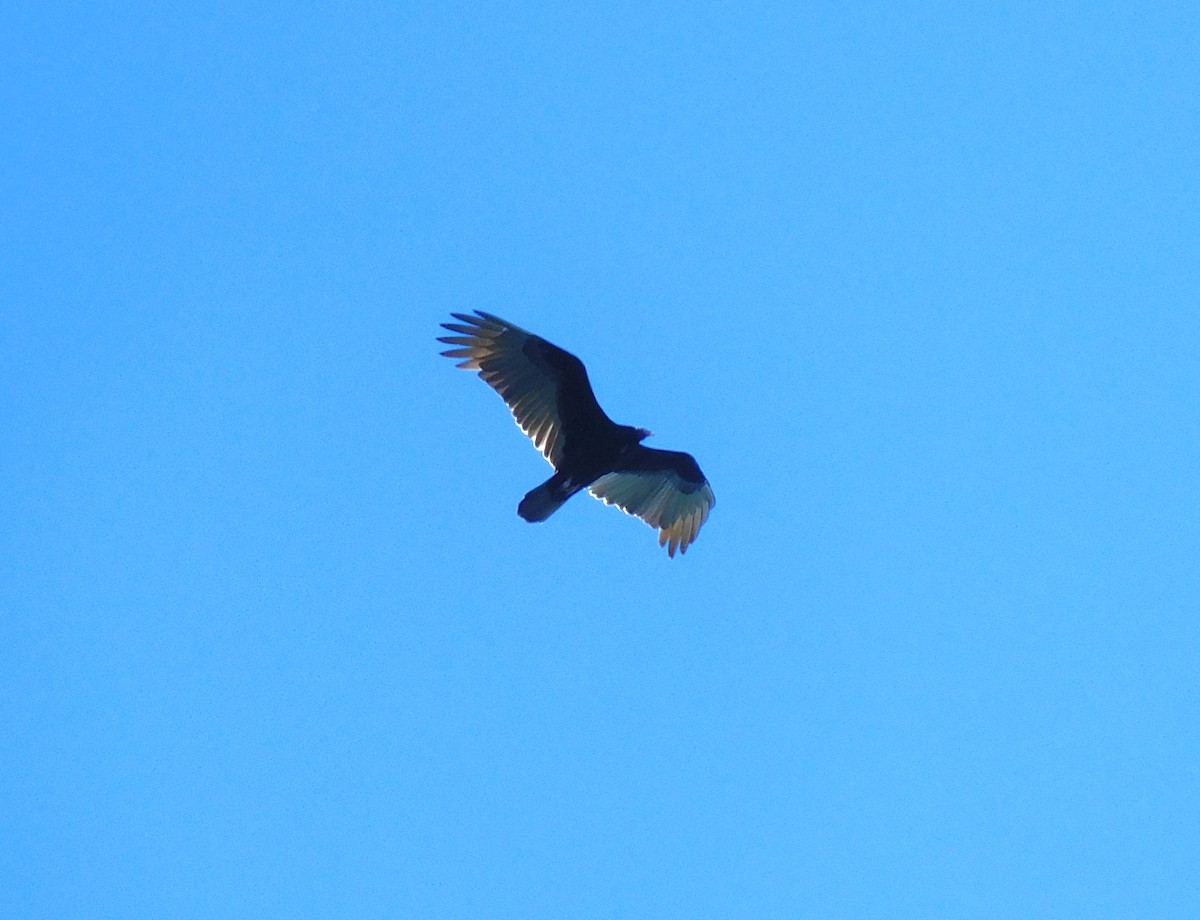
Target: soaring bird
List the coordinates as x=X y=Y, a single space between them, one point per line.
x=548 y=392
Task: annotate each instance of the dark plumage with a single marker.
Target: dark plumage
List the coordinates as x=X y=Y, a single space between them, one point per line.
x=548 y=391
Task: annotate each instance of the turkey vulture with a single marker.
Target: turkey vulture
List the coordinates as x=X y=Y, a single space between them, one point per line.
x=548 y=392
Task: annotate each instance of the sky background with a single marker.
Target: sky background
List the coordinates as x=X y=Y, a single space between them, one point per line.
x=915 y=282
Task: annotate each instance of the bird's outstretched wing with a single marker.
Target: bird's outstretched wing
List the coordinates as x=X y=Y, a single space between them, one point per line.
x=664 y=488
x=546 y=388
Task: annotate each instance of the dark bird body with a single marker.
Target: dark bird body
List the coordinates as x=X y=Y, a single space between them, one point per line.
x=548 y=392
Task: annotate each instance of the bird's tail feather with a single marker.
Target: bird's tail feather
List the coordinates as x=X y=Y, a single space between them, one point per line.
x=547 y=498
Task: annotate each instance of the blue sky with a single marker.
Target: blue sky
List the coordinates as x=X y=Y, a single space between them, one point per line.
x=916 y=284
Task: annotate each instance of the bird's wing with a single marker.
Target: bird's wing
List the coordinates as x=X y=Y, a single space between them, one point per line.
x=664 y=488
x=546 y=388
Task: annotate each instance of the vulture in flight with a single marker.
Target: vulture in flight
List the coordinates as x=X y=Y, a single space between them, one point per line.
x=548 y=391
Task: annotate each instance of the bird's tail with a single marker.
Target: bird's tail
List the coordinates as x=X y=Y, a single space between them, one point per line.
x=547 y=498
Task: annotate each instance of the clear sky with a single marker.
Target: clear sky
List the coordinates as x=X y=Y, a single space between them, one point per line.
x=915 y=283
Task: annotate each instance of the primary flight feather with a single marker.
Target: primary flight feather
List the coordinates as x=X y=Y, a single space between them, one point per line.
x=548 y=392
